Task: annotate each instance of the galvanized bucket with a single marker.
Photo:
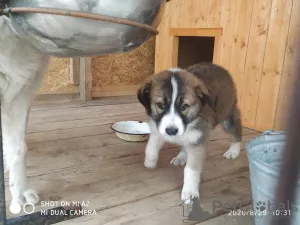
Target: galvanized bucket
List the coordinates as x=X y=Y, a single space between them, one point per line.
x=264 y=156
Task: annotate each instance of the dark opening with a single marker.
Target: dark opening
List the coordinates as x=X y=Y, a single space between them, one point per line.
x=194 y=50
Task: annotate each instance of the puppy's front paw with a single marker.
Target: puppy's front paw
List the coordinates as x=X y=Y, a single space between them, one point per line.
x=233 y=152
x=178 y=161
x=188 y=193
x=150 y=163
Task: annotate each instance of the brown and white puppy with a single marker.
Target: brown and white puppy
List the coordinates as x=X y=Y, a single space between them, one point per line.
x=184 y=105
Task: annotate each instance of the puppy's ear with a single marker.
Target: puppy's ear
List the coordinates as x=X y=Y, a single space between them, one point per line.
x=205 y=97
x=143 y=95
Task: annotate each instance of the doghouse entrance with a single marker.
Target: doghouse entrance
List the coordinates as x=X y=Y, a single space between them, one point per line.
x=192 y=50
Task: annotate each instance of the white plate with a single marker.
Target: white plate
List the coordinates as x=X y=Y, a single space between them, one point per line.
x=132 y=130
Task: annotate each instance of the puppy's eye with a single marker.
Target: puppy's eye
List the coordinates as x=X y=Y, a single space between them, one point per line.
x=161 y=105
x=184 y=107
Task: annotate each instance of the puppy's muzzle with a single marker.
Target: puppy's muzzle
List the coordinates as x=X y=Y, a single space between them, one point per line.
x=172 y=131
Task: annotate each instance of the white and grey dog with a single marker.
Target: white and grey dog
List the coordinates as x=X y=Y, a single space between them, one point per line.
x=21 y=72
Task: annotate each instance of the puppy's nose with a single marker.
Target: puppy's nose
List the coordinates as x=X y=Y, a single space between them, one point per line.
x=171 y=131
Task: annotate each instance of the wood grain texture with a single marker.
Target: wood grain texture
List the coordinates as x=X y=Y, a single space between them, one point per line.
x=240 y=43
x=120 y=90
x=214 y=13
x=227 y=22
x=75 y=70
x=287 y=77
x=252 y=47
x=273 y=64
x=217 y=49
x=254 y=61
x=162 y=57
x=83 y=160
x=85 y=86
x=197 y=32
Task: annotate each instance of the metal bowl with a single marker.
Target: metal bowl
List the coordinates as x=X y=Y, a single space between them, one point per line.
x=133 y=131
x=65 y=36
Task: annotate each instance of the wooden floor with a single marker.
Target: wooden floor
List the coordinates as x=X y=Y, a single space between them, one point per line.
x=74 y=156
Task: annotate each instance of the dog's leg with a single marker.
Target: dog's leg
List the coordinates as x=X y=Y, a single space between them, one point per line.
x=152 y=150
x=14 y=119
x=180 y=159
x=192 y=172
x=233 y=127
x=15 y=105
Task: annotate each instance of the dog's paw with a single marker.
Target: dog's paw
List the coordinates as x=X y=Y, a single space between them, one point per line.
x=178 y=161
x=150 y=163
x=187 y=195
x=233 y=152
x=29 y=196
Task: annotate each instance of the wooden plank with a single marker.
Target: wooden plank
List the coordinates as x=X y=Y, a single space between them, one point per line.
x=80 y=131
x=85 y=87
x=162 y=48
x=214 y=13
x=175 y=49
x=166 y=209
x=51 y=126
x=217 y=49
x=75 y=70
x=240 y=44
x=273 y=64
x=200 y=32
x=227 y=23
x=288 y=74
x=55 y=153
x=57 y=97
x=101 y=174
x=227 y=219
x=197 y=13
x=254 y=61
x=180 y=7
x=104 y=110
x=120 y=90
x=44 y=106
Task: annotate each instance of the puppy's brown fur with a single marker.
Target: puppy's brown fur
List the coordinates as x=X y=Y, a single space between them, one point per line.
x=208 y=89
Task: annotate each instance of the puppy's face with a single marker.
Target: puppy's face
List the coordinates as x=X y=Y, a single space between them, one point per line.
x=173 y=99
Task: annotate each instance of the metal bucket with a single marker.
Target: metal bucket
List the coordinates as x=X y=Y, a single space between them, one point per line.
x=264 y=156
x=66 y=36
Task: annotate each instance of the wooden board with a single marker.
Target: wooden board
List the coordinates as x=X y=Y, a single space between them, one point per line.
x=85 y=86
x=227 y=219
x=120 y=90
x=199 y=32
x=87 y=162
x=227 y=21
x=254 y=61
x=287 y=77
x=273 y=64
x=167 y=209
x=214 y=13
x=251 y=31
x=240 y=43
x=75 y=70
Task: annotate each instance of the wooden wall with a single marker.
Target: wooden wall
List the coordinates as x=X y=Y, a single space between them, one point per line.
x=256 y=46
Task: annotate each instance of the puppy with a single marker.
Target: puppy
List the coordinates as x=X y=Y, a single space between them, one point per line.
x=184 y=106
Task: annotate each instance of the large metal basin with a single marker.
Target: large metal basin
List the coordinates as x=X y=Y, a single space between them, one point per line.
x=65 y=36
